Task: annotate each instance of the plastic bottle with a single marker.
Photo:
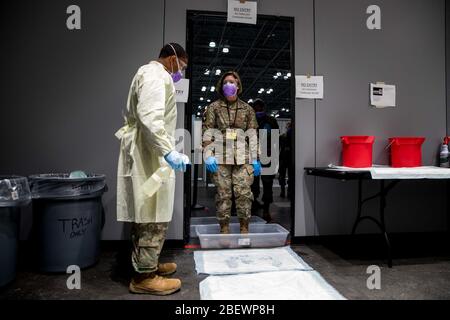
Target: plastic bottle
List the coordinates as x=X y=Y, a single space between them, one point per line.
x=152 y=185
x=77 y=174
x=444 y=156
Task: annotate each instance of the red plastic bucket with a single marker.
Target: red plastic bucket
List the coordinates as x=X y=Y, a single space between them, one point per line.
x=406 y=151
x=357 y=151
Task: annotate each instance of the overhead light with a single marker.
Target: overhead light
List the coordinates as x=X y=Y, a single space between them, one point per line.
x=225 y=50
x=262 y=89
x=206 y=72
x=285 y=77
x=212 y=44
x=212 y=89
x=278 y=73
x=198 y=114
x=275 y=77
x=288 y=74
x=218 y=72
x=250 y=101
x=287 y=110
x=268 y=92
x=208 y=100
x=283 y=109
x=201 y=99
x=276 y=116
x=203 y=88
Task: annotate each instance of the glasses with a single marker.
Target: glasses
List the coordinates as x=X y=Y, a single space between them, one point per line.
x=183 y=65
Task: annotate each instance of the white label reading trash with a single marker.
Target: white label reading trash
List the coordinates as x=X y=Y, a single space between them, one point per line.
x=15 y=195
x=244 y=242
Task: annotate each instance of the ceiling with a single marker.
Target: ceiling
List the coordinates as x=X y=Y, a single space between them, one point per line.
x=260 y=53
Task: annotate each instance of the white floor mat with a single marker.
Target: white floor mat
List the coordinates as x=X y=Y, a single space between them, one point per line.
x=220 y=262
x=284 y=285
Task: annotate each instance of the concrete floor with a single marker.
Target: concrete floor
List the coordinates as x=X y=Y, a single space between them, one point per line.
x=417 y=274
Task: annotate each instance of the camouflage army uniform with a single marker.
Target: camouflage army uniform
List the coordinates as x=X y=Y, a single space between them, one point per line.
x=235 y=171
x=148 y=239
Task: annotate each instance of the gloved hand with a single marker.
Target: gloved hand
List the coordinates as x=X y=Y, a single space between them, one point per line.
x=185 y=159
x=256 y=168
x=211 y=164
x=176 y=160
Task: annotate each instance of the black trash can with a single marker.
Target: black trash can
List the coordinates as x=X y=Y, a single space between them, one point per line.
x=14 y=194
x=67 y=220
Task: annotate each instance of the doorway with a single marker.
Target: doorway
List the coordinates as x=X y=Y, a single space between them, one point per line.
x=263 y=56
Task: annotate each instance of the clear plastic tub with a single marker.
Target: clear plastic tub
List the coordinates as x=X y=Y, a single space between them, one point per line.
x=200 y=221
x=259 y=236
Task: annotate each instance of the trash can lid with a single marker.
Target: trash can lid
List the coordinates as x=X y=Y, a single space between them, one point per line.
x=65 y=177
x=14 y=191
x=61 y=185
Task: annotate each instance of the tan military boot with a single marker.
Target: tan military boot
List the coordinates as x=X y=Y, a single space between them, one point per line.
x=166 y=269
x=244 y=225
x=224 y=226
x=151 y=283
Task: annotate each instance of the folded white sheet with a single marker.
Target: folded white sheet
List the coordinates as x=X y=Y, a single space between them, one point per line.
x=283 y=285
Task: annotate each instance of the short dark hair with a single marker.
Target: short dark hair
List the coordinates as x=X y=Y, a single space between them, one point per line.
x=168 y=50
x=259 y=102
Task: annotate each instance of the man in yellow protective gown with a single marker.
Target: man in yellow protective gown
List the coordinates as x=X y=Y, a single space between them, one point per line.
x=148 y=148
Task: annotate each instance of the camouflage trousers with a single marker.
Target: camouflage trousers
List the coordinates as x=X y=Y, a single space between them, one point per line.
x=235 y=179
x=148 y=240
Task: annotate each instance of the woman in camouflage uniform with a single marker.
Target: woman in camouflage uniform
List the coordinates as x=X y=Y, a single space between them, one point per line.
x=231 y=150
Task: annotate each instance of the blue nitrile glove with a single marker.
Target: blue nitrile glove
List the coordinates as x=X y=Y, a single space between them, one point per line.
x=186 y=161
x=256 y=168
x=211 y=164
x=175 y=160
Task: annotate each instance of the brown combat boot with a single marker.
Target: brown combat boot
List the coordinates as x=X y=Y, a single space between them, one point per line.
x=244 y=225
x=151 y=283
x=224 y=226
x=266 y=214
x=267 y=217
x=166 y=269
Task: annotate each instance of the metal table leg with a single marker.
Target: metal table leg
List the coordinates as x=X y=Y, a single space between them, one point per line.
x=381 y=224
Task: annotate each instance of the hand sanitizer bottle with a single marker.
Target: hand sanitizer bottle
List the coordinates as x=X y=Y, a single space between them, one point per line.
x=444 y=156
